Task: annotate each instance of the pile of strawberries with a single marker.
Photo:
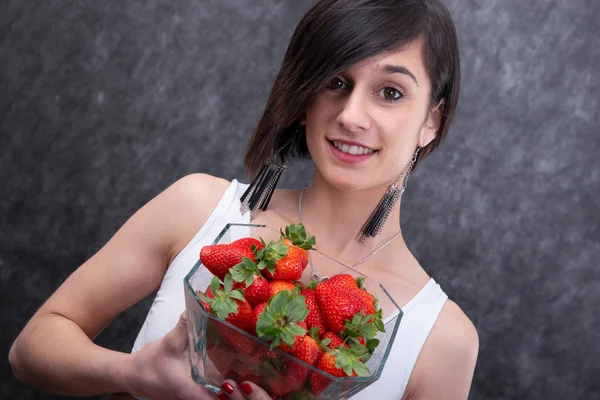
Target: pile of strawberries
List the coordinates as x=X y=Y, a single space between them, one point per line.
x=330 y=325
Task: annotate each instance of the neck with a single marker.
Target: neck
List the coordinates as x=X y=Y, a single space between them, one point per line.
x=338 y=217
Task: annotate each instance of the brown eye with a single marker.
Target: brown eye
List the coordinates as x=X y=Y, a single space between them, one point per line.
x=336 y=83
x=390 y=93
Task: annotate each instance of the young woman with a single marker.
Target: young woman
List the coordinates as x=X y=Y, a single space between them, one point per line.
x=367 y=89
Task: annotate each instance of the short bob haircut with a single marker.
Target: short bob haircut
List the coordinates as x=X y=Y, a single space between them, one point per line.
x=336 y=34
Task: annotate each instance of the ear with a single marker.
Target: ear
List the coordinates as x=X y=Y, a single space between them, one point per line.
x=431 y=125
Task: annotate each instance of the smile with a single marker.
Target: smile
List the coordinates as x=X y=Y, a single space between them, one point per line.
x=354 y=150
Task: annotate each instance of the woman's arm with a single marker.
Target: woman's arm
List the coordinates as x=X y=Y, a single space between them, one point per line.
x=445 y=367
x=55 y=350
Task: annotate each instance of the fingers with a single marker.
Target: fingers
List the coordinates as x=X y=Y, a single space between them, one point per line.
x=246 y=390
x=177 y=339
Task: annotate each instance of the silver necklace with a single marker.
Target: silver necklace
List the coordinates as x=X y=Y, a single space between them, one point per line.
x=365 y=258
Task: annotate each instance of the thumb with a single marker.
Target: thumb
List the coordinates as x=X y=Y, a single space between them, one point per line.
x=177 y=339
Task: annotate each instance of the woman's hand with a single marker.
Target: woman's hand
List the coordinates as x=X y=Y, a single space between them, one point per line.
x=161 y=369
x=246 y=390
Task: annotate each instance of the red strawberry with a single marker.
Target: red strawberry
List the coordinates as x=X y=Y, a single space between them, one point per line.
x=344 y=282
x=249 y=365
x=350 y=366
x=307 y=350
x=335 y=340
x=298 y=339
x=222 y=357
x=368 y=299
x=347 y=283
x=280 y=321
x=218 y=258
x=278 y=286
x=337 y=307
x=314 y=317
x=255 y=313
x=210 y=295
x=228 y=304
x=259 y=291
x=287 y=258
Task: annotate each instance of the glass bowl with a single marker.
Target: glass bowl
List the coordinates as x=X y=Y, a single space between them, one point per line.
x=219 y=350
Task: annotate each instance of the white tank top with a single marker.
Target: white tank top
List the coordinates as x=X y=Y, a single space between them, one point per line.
x=420 y=313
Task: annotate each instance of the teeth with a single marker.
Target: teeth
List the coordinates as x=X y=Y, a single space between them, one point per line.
x=354 y=150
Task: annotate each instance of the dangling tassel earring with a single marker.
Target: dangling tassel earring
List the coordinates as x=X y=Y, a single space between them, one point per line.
x=383 y=210
x=259 y=193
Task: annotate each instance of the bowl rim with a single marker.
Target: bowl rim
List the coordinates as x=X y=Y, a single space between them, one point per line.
x=371 y=378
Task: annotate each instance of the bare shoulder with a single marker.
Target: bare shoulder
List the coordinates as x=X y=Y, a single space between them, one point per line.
x=195 y=197
x=204 y=187
x=447 y=361
x=454 y=329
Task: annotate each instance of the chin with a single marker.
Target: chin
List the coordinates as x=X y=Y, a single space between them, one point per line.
x=347 y=181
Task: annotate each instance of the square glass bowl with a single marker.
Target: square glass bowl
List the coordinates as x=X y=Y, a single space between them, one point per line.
x=219 y=350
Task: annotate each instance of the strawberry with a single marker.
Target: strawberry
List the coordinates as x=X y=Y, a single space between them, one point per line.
x=228 y=304
x=368 y=299
x=209 y=294
x=308 y=350
x=298 y=339
x=335 y=340
x=248 y=278
x=222 y=358
x=278 y=286
x=360 y=332
x=279 y=321
x=288 y=257
x=314 y=318
x=218 y=258
x=242 y=344
x=347 y=283
x=339 y=363
x=344 y=282
x=337 y=306
x=259 y=291
x=255 y=314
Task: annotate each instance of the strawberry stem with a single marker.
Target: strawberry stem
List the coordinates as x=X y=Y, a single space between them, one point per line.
x=296 y=234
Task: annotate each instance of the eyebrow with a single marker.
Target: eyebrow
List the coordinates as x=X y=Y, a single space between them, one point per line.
x=400 y=69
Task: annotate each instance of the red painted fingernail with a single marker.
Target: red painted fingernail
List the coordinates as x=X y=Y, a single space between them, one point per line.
x=223 y=396
x=227 y=387
x=246 y=388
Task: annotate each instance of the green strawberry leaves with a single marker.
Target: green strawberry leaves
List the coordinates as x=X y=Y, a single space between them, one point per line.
x=359 y=282
x=278 y=321
x=349 y=360
x=312 y=285
x=298 y=236
x=223 y=302
x=360 y=326
x=272 y=252
x=245 y=271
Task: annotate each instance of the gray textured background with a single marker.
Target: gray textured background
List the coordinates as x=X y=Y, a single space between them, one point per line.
x=105 y=103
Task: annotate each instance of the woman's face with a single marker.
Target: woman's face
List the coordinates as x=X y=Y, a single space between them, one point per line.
x=364 y=129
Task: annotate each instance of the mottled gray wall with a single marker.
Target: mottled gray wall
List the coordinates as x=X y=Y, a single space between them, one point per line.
x=105 y=103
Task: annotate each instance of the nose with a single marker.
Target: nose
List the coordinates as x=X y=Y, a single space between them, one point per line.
x=354 y=116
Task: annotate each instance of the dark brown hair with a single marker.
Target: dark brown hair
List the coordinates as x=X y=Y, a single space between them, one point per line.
x=336 y=34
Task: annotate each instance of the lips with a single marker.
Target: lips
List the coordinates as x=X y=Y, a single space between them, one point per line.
x=344 y=154
x=353 y=148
